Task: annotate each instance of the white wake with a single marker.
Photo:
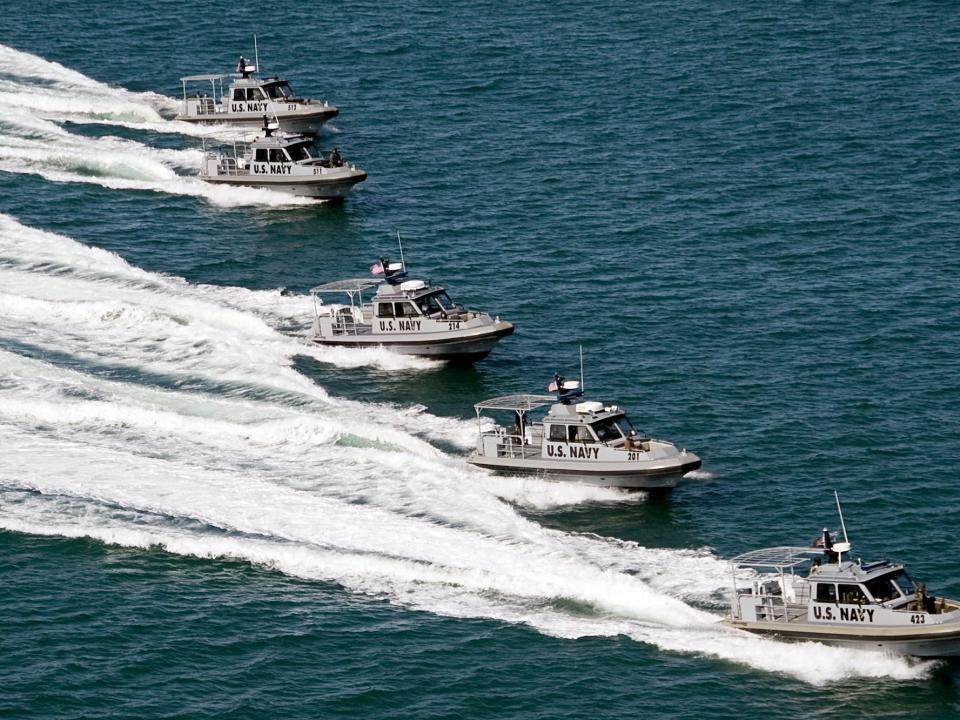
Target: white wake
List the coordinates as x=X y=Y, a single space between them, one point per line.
x=37 y=98
x=143 y=410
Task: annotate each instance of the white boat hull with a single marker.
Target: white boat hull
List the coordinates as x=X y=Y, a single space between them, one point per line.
x=467 y=347
x=932 y=641
x=321 y=189
x=301 y=123
x=663 y=475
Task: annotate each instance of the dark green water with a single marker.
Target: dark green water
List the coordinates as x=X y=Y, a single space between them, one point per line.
x=746 y=215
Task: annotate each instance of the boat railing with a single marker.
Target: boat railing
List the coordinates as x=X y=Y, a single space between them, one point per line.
x=228 y=166
x=206 y=106
x=345 y=325
x=513 y=446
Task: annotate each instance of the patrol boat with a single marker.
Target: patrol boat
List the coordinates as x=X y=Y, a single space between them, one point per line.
x=411 y=317
x=813 y=593
x=248 y=98
x=286 y=163
x=584 y=441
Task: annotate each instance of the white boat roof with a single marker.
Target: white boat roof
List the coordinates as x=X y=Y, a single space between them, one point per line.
x=776 y=558
x=516 y=402
x=352 y=285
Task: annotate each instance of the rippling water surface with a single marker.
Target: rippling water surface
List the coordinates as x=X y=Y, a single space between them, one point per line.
x=746 y=215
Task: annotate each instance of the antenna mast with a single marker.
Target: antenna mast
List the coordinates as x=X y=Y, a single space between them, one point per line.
x=840 y=512
x=256 y=55
x=843 y=547
x=400 y=243
x=582 y=387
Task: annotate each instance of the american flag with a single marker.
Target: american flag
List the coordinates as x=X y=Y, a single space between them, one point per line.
x=552 y=387
x=376 y=269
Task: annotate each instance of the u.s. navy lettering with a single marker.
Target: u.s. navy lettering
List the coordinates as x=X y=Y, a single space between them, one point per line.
x=575 y=452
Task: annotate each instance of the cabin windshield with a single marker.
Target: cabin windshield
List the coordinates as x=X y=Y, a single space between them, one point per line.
x=278 y=90
x=891 y=586
x=607 y=429
x=302 y=151
x=435 y=302
x=626 y=427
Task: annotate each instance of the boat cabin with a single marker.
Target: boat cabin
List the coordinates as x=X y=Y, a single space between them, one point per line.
x=407 y=307
x=242 y=98
x=273 y=154
x=569 y=431
x=814 y=584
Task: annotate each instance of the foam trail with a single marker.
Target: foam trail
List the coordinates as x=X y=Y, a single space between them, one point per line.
x=34 y=91
x=31 y=82
x=142 y=410
x=34 y=146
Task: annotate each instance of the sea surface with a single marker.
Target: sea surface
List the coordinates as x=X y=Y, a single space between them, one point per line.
x=745 y=213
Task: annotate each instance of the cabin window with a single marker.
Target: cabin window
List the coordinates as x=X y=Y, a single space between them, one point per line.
x=558 y=433
x=883 y=588
x=580 y=433
x=852 y=595
x=255 y=94
x=407 y=309
x=277 y=155
x=260 y=155
x=385 y=310
x=606 y=430
x=238 y=94
x=826 y=592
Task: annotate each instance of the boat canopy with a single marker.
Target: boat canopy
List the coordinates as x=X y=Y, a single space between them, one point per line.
x=209 y=78
x=354 y=285
x=776 y=558
x=516 y=402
